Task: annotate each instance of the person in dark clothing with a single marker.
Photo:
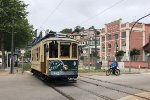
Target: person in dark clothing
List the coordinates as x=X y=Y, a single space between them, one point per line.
x=114 y=66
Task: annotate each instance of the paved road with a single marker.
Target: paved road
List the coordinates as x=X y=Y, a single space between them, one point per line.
x=26 y=87
x=95 y=87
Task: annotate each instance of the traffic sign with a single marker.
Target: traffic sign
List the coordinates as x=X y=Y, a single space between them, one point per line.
x=84 y=51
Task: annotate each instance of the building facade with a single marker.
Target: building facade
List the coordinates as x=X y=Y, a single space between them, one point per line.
x=88 y=42
x=116 y=36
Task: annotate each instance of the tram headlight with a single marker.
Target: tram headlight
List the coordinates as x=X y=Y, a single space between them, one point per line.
x=65 y=67
x=74 y=63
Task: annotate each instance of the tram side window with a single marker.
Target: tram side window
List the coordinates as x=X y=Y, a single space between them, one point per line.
x=53 y=49
x=37 y=55
x=65 y=49
x=74 y=50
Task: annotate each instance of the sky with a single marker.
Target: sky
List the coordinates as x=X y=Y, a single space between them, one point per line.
x=59 y=14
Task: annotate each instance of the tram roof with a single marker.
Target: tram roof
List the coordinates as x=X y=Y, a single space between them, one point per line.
x=61 y=39
x=52 y=36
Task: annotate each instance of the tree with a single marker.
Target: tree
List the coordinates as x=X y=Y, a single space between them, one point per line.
x=78 y=29
x=134 y=54
x=92 y=27
x=119 y=55
x=27 y=54
x=13 y=19
x=66 y=30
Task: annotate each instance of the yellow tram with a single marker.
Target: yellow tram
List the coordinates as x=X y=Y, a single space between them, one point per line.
x=54 y=56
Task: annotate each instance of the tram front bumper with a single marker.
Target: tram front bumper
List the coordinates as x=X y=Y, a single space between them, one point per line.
x=63 y=74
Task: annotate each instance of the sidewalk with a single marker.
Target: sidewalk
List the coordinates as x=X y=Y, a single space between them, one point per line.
x=135 y=71
x=4 y=72
x=123 y=71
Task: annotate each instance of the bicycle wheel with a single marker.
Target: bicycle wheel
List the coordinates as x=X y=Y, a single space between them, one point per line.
x=108 y=72
x=117 y=72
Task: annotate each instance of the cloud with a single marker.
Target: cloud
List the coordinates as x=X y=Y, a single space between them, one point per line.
x=72 y=12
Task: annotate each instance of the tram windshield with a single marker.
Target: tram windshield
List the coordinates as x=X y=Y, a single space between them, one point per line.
x=53 y=48
x=64 y=49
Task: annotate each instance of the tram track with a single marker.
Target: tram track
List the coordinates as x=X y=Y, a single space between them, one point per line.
x=126 y=86
x=63 y=93
x=103 y=86
x=96 y=94
x=53 y=86
x=71 y=98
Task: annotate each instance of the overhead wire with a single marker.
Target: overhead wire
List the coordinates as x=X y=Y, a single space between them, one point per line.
x=118 y=2
x=52 y=12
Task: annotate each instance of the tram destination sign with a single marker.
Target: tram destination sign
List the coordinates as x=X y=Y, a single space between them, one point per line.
x=65 y=43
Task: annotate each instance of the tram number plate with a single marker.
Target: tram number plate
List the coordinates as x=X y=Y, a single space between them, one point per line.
x=56 y=73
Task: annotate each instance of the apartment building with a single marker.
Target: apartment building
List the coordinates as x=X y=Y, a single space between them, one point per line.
x=87 y=40
x=116 y=36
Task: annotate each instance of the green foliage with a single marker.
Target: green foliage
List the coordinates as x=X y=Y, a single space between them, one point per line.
x=26 y=66
x=91 y=71
x=92 y=27
x=13 y=18
x=81 y=58
x=135 y=52
x=27 y=54
x=78 y=29
x=66 y=30
x=119 y=55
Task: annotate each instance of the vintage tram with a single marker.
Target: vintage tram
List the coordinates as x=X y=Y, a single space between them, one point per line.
x=54 y=57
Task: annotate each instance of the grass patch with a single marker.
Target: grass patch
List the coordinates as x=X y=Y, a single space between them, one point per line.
x=91 y=70
x=26 y=66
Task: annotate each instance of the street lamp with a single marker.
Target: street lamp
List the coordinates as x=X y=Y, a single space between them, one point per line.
x=129 y=38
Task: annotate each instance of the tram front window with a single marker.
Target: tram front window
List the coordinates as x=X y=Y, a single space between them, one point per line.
x=64 y=50
x=53 y=48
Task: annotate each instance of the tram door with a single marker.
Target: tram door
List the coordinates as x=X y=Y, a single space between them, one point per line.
x=44 y=63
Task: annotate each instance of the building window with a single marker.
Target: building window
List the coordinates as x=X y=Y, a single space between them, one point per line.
x=109 y=37
x=103 y=38
x=103 y=48
x=116 y=36
x=123 y=35
x=109 y=47
x=123 y=43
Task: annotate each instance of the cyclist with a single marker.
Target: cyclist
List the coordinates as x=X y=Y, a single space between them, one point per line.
x=114 y=66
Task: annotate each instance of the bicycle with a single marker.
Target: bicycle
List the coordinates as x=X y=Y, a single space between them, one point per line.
x=110 y=71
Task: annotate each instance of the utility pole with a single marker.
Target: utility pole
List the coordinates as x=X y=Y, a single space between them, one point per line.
x=95 y=32
x=116 y=45
x=12 y=49
x=149 y=54
x=89 y=49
